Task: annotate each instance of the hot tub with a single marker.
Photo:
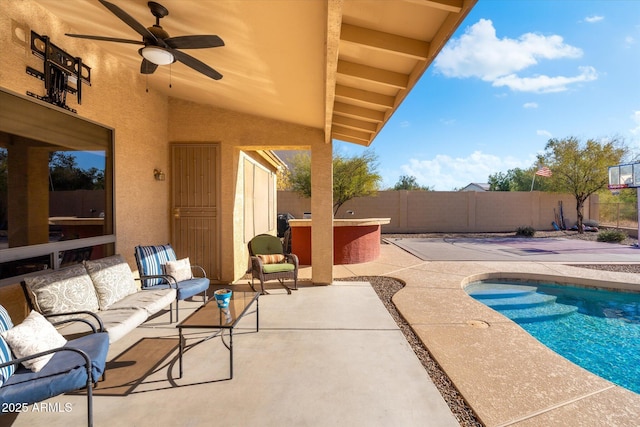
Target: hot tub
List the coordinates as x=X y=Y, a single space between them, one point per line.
x=354 y=240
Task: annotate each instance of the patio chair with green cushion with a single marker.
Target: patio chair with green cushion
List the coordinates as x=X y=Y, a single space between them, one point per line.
x=160 y=269
x=269 y=262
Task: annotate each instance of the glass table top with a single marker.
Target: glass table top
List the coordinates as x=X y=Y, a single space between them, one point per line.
x=211 y=316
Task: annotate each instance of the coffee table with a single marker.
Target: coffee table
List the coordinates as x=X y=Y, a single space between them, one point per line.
x=209 y=316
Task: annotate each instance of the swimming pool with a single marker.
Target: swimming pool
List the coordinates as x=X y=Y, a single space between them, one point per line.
x=596 y=329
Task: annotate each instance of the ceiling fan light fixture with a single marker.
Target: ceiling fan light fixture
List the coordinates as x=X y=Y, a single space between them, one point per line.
x=157 y=55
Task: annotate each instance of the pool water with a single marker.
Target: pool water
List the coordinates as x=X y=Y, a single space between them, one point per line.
x=598 y=330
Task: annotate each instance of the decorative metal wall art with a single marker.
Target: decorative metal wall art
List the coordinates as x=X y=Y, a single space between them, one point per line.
x=62 y=72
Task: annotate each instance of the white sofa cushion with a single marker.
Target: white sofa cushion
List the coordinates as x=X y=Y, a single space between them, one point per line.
x=120 y=321
x=112 y=279
x=152 y=301
x=62 y=291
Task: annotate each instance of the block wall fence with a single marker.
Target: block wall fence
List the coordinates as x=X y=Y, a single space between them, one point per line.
x=454 y=211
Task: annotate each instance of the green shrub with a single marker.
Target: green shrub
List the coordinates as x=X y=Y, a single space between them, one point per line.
x=525 y=231
x=611 y=235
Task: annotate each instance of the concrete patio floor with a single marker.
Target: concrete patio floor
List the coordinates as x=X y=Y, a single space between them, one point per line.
x=324 y=356
x=332 y=355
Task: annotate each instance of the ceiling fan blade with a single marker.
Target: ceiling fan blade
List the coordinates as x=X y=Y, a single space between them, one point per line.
x=129 y=20
x=104 y=39
x=196 y=64
x=194 y=42
x=147 y=67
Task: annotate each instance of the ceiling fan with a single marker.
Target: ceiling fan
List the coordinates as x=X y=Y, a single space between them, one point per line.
x=159 y=48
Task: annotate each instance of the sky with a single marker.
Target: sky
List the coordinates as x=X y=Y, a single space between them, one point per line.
x=515 y=74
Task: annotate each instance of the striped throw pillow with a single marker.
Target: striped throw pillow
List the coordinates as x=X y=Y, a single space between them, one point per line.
x=151 y=260
x=5 y=351
x=272 y=258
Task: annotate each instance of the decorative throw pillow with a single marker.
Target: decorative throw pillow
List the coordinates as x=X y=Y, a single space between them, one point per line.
x=112 y=279
x=180 y=270
x=34 y=335
x=5 y=320
x=271 y=259
x=62 y=291
x=151 y=260
x=5 y=350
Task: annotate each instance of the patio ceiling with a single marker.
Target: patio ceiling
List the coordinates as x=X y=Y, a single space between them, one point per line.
x=344 y=66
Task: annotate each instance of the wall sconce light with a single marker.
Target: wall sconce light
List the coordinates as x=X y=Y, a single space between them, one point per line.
x=159 y=175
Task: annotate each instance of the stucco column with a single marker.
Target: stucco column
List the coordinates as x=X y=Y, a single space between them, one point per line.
x=322 y=213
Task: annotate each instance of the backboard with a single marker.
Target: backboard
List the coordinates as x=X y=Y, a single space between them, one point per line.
x=624 y=176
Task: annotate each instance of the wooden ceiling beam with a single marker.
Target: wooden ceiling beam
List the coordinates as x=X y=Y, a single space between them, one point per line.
x=454 y=6
x=347 y=138
x=379 y=40
x=361 y=113
x=366 y=96
x=350 y=122
x=376 y=75
x=358 y=134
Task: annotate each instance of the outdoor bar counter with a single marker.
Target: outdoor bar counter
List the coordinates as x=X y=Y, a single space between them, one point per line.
x=354 y=240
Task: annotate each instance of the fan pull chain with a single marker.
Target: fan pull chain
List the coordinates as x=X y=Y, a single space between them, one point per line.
x=146 y=80
x=170 y=76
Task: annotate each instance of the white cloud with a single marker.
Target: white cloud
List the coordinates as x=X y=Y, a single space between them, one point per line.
x=480 y=53
x=629 y=41
x=545 y=84
x=545 y=133
x=445 y=173
x=530 y=105
x=636 y=119
x=405 y=124
x=593 y=19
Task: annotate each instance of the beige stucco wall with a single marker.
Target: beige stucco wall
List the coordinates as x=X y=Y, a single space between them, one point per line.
x=446 y=211
x=117 y=98
x=145 y=124
x=192 y=122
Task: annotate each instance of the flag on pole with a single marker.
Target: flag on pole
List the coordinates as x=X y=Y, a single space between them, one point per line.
x=544 y=171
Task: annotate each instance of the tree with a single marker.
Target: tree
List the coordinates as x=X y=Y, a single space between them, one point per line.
x=516 y=180
x=66 y=175
x=500 y=181
x=406 y=182
x=352 y=177
x=299 y=174
x=522 y=179
x=581 y=169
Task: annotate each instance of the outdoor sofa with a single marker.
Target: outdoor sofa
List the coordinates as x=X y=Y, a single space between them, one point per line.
x=105 y=287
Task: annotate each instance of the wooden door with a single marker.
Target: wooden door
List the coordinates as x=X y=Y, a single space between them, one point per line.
x=195 y=195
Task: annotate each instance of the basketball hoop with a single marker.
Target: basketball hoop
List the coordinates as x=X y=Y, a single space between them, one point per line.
x=626 y=176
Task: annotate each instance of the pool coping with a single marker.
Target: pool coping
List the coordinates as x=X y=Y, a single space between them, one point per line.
x=505 y=375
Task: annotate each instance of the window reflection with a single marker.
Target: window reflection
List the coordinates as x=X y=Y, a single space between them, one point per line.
x=4 y=199
x=56 y=187
x=76 y=194
x=24 y=266
x=66 y=202
x=51 y=193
